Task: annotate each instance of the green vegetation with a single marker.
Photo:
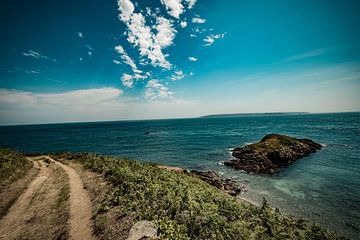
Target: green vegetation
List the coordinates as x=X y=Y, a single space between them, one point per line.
x=185 y=207
x=13 y=166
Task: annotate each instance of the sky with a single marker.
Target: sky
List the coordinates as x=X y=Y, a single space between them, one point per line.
x=69 y=61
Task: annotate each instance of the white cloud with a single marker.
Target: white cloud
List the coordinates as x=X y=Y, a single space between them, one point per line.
x=174 y=7
x=191 y=3
x=198 y=20
x=209 y=40
x=72 y=98
x=127 y=60
x=193 y=59
x=128 y=80
x=80 y=34
x=99 y=104
x=177 y=75
x=116 y=61
x=32 y=71
x=154 y=90
x=165 y=32
x=34 y=54
x=183 y=24
x=126 y=8
x=89 y=47
x=141 y=36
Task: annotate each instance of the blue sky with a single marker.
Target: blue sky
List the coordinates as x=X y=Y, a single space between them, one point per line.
x=111 y=60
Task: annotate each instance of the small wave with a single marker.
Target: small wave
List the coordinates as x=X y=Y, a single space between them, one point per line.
x=323 y=144
x=221 y=163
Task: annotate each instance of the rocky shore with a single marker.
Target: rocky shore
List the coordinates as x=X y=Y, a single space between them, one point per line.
x=273 y=152
x=229 y=186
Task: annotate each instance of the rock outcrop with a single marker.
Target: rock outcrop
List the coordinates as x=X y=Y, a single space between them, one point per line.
x=143 y=230
x=271 y=153
x=229 y=186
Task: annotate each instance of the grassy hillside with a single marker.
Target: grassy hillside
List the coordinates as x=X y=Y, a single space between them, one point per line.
x=13 y=166
x=185 y=207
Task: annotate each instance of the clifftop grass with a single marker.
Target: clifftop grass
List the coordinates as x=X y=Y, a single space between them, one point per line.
x=185 y=207
x=13 y=166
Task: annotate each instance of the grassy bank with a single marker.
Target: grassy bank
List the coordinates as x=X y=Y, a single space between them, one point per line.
x=182 y=206
x=13 y=166
x=15 y=175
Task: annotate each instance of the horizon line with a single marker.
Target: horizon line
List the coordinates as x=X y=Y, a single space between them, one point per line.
x=175 y=118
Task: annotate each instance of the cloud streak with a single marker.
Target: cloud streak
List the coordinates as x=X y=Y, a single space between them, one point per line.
x=36 y=55
x=305 y=55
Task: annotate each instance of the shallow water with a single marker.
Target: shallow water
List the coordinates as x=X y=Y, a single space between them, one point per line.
x=324 y=187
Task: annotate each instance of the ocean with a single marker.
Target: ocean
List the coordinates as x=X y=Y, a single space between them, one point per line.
x=322 y=188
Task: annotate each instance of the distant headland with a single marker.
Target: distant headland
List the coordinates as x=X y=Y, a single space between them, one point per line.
x=253 y=114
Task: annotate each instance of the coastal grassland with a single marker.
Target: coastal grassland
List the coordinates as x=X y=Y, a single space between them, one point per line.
x=182 y=206
x=13 y=165
x=16 y=173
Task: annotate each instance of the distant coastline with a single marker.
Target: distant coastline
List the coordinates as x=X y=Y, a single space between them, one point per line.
x=253 y=114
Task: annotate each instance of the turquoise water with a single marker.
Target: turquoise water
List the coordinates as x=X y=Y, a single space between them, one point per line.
x=324 y=187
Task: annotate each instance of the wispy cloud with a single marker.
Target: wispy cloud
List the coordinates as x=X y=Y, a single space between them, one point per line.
x=127 y=60
x=32 y=71
x=128 y=80
x=36 y=55
x=198 y=20
x=193 y=59
x=191 y=3
x=305 y=55
x=154 y=90
x=177 y=75
x=209 y=40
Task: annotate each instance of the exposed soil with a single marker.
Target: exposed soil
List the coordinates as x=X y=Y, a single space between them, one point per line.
x=55 y=204
x=41 y=212
x=112 y=224
x=9 y=193
x=80 y=205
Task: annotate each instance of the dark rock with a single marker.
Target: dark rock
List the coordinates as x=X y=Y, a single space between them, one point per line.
x=229 y=186
x=271 y=153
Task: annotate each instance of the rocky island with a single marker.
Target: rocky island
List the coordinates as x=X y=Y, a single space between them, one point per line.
x=271 y=153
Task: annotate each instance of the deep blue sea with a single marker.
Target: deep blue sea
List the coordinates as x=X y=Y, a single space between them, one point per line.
x=323 y=188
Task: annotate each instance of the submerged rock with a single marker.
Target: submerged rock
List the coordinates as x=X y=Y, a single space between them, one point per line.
x=271 y=153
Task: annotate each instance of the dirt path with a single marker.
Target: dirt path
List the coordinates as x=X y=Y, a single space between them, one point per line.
x=80 y=206
x=18 y=209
